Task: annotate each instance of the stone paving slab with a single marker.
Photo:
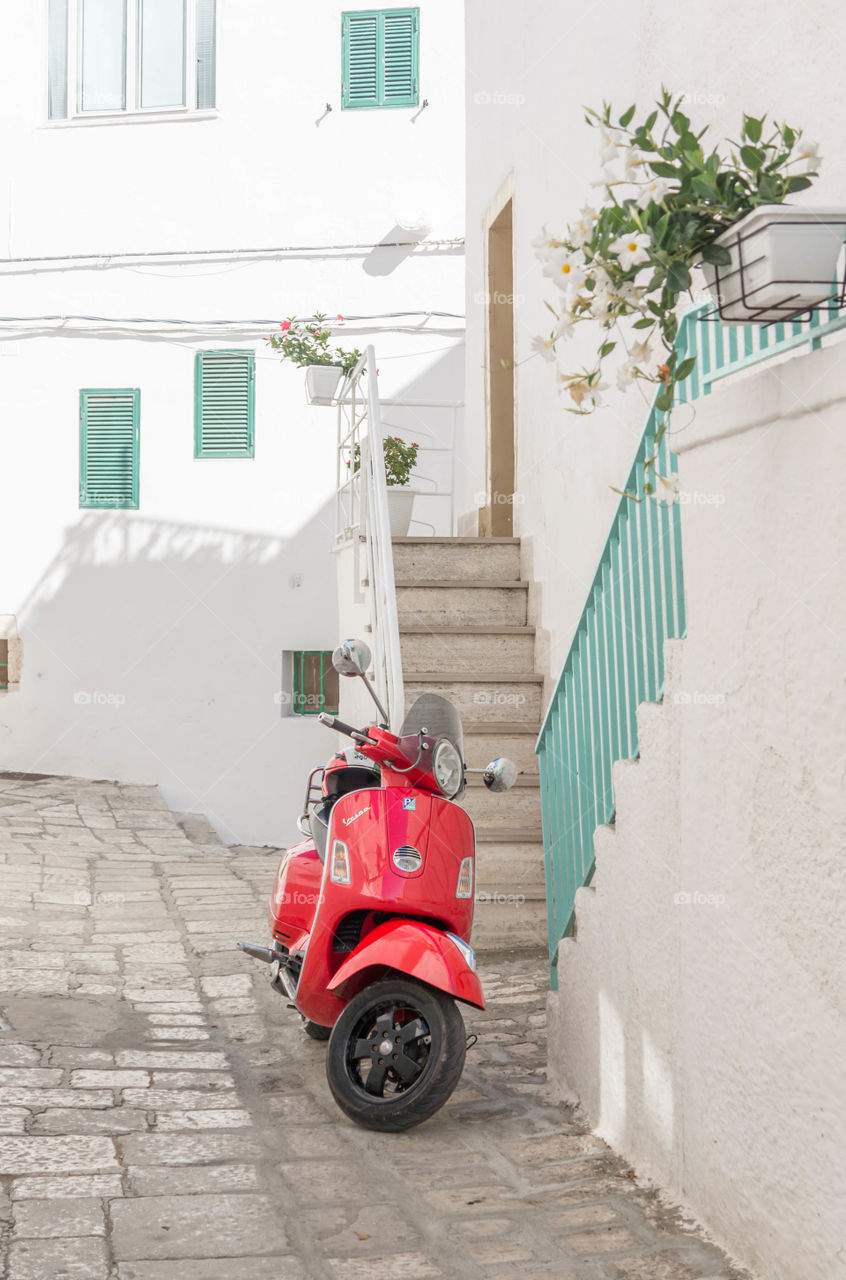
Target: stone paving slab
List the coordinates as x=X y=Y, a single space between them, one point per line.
x=164 y=1117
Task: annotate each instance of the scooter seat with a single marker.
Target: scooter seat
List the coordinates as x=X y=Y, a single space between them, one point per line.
x=319 y=823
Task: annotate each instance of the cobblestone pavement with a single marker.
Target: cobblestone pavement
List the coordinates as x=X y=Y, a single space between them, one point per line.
x=164 y=1116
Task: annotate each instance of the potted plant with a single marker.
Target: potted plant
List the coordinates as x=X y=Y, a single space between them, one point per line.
x=306 y=344
x=400 y=459
x=669 y=205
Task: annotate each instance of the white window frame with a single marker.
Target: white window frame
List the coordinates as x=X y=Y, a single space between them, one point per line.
x=133 y=111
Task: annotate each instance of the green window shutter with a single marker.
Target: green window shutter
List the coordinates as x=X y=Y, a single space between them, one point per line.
x=224 y=404
x=108 y=447
x=315 y=683
x=380 y=55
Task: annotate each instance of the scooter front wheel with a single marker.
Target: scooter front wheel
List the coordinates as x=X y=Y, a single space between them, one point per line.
x=395 y=1054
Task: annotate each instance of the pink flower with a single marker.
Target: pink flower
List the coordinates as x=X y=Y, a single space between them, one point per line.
x=286 y=324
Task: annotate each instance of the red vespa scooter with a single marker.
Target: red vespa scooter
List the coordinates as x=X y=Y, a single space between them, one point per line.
x=371 y=915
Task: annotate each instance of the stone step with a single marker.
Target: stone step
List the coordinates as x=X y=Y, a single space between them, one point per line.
x=519 y=805
x=460 y=559
x=441 y=648
x=506 y=865
x=473 y=601
x=509 y=920
x=498 y=698
x=484 y=742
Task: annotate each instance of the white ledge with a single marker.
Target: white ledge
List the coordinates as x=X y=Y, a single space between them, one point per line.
x=175 y=116
x=805 y=384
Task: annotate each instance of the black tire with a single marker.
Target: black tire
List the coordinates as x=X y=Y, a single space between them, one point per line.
x=428 y=1032
x=314 y=1030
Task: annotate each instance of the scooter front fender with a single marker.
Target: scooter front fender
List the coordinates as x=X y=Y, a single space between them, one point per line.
x=418 y=950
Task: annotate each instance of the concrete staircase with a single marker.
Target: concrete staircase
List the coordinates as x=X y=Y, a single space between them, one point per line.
x=462 y=616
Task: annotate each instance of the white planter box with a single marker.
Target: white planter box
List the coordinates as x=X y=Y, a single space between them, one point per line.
x=322 y=382
x=400 y=506
x=783 y=262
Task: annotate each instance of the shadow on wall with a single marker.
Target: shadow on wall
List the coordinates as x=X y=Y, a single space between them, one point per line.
x=152 y=653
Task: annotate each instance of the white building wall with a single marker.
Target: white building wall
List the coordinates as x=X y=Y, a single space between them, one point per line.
x=153 y=640
x=704 y=1041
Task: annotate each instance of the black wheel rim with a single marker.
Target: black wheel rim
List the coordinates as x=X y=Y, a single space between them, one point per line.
x=387 y=1051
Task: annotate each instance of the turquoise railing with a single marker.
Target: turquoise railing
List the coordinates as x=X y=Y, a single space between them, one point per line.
x=635 y=603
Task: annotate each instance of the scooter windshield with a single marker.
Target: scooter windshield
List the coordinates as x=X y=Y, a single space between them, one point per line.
x=438 y=717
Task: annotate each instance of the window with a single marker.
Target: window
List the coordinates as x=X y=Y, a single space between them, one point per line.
x=4 y=664
x=380 y=58
x=315 y=683
x=107 y=56
x=108 y=448
x=224 y=404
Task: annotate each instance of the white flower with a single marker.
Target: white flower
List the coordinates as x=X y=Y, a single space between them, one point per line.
x=606 y=178
x=544 y=347
x=632 y=294
x=632 y=249
x=601 y=303
x=544 y=244
x=634 y=162
x=564 y=328
x=666 y=488
x=625 y=376
x=810 y=151
x=640 y=353
x=583 y=229
x=610 y=140
x=566 y=268
x=585 y=396
x=653 y=192
x=601 y=278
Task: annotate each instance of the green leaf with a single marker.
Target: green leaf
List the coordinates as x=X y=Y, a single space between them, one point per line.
x=626 y=117
x=649 y=122
x=704 y=184
x=798 y=183
x=788 y=136
x=664 y=400
x=752 y=128
x=645 y=323
x=685 y=369
x=606 y=349
x=680 y=122
x=752 y=157
x=678 y=277
x=716 y=255
x=663 y=170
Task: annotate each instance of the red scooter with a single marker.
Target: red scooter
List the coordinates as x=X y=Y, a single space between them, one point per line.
x=371 y=914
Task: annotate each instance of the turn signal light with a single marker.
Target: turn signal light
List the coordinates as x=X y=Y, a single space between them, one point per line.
x=464 y=888
x=339 y=866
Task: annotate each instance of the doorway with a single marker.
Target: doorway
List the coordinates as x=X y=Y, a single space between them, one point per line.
x=497 y=517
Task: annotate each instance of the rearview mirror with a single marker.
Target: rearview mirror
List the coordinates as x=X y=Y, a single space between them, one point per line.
x=500 y=775
x=351 y=658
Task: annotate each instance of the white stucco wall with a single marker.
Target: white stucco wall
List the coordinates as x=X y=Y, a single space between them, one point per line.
x=178 y=613
x=700 y=1016
x=525 y=93
x=704 y=1038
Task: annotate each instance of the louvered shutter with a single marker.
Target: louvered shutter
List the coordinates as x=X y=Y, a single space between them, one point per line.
x=360 y=41
x=400 y=58
x=108 y=448
x=380 y=58
x=206 y=54
x=224 y=404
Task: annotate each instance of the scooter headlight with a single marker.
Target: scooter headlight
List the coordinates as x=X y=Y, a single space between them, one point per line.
x=448 y=768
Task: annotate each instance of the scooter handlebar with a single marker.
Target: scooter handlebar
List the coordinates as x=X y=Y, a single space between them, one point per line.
x=332 y=722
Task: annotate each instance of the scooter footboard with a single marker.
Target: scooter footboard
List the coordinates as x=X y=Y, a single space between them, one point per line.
x=418 y=950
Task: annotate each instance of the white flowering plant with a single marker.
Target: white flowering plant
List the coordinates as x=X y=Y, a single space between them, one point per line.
x=667 y=199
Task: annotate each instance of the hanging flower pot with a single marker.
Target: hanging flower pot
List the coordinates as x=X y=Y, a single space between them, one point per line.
x=783 y=261
x=322 y=382
x=400 y=506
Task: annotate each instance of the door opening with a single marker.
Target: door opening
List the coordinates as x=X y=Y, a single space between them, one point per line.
x=497 y=518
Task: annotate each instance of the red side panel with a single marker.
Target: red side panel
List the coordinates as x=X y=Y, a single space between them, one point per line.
x=421 y=952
